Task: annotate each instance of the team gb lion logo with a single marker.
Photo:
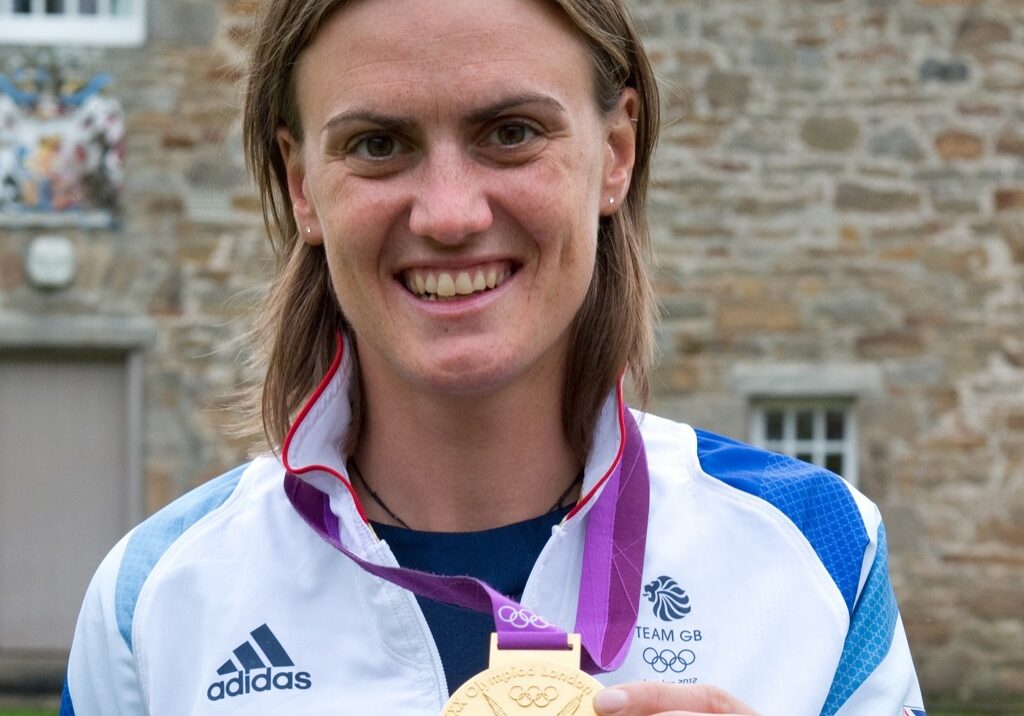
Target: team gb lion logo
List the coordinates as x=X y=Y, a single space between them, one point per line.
x=669 y=599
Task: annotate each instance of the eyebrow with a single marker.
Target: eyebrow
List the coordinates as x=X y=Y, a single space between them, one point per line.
x=388 y=122
x=492 y=110
x=405 y=125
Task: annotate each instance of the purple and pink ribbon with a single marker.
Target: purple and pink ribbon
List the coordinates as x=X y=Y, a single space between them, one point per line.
x=610 y=584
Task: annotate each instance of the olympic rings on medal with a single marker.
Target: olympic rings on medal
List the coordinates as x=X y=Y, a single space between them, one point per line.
x=521 y=618
x=667 y=659
x=533 y=695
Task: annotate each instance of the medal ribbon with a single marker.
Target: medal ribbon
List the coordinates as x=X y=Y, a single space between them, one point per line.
x=613 y=556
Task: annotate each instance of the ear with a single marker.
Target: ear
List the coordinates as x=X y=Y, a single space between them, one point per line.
x=302 y=207
x=620 y=151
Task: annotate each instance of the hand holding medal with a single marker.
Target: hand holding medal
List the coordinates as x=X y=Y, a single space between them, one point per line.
x=654 y=698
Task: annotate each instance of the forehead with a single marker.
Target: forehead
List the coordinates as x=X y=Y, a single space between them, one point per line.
x=390 y=50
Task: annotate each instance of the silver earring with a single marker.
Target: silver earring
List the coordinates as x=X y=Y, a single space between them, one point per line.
x=309 y=230
x=611 y=200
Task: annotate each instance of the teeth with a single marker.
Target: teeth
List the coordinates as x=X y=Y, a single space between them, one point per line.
x=445 y=285
x=463 y=284
x=434 y=284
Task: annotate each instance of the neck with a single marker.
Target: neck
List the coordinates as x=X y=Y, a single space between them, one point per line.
x=465 y=463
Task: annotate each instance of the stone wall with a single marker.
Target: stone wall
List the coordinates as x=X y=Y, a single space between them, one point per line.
x=190 y=253
x=841 y=184
x=839 y=188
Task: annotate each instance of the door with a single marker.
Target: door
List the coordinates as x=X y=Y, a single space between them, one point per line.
x=65 y=499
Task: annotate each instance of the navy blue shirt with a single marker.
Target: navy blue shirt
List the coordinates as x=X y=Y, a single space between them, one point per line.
x=503 y=557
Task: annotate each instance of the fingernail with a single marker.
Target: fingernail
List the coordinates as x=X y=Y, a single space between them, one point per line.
x=611 y=701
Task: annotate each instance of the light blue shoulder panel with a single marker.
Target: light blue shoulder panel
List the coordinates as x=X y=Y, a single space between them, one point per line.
x=871 y=632
x=814 y=499
x=152 y=538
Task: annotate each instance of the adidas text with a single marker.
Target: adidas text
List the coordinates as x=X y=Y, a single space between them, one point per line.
x=245 y=682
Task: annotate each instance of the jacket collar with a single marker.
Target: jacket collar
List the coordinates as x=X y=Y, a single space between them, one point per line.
x=312 y=449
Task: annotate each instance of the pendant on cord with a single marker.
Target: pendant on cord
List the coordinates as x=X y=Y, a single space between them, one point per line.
x=525 y=681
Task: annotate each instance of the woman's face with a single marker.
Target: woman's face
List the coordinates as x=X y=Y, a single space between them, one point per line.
x=454 y=165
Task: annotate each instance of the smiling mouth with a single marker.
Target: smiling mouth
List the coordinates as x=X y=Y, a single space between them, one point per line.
x=450 y=285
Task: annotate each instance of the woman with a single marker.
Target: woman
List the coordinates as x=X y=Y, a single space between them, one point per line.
x=457 y=190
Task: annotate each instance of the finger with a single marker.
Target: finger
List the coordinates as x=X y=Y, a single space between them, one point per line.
x=647 y=699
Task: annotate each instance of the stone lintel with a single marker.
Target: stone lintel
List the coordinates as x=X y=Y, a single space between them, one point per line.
x=87 y=332
x=805 y=380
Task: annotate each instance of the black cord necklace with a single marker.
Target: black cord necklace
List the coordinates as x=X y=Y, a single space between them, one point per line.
x=354 y=466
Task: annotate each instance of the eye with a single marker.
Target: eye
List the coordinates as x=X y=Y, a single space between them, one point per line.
x=512 y=134
x=376 y=146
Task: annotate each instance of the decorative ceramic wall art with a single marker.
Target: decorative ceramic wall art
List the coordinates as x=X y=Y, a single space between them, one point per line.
x=61 y=149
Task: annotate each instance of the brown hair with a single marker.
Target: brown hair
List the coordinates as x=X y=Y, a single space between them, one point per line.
x=296 y=334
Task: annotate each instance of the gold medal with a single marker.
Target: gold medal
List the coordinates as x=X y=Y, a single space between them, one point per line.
x=528 y=681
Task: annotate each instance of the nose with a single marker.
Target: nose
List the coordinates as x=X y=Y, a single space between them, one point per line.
x=451 y=203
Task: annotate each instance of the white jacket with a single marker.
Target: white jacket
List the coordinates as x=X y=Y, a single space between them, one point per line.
x=227 y=602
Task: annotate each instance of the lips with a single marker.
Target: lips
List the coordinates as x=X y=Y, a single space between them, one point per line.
x=435 y=284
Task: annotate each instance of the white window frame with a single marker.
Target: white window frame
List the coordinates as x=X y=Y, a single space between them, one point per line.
x=70 y=28
x=819 y=445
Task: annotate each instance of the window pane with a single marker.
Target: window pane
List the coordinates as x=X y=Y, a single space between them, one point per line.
x=804 y=425
x=835 y=425
x=103 y=23
x=834 y=462
x=805 y=456
x=773 y=425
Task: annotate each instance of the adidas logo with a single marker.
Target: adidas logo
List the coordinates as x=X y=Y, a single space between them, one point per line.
x=253 y=674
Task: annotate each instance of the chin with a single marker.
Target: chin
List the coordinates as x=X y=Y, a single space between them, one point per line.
x=464 y=376
x=468 y=381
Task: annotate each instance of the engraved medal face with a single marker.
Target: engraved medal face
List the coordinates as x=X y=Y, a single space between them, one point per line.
x=544 y=683
x=529 y=686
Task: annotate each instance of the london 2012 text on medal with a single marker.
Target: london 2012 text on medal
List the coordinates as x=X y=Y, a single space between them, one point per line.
x=528 y=681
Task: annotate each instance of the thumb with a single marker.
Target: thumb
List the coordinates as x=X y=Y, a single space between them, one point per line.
x=646 y=699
